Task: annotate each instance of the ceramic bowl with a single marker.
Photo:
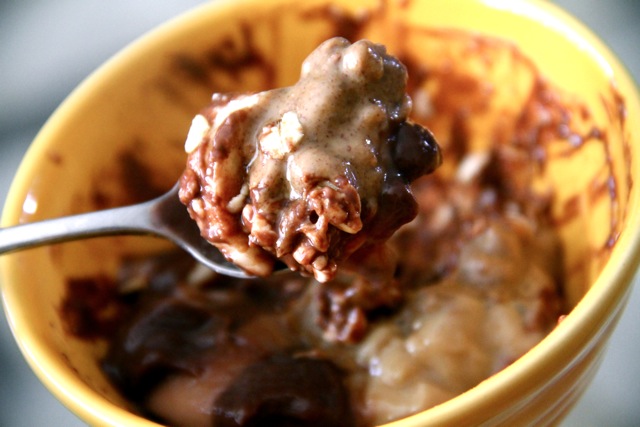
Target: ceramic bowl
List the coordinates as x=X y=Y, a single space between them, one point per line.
x=130 y=119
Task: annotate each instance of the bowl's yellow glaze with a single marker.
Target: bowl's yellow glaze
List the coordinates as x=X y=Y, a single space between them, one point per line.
x=145 y=98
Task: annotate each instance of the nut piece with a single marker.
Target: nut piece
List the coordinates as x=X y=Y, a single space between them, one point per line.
x=198 y=130
x=278 y=140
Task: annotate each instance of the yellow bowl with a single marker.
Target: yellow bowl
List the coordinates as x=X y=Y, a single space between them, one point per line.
x=137 y=108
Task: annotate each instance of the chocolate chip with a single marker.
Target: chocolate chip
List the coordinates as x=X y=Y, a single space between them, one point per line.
x=415 y=151
x=286 y=391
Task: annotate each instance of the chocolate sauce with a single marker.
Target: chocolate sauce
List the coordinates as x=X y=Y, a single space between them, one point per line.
x=92 y=307
x=136 y=177
x=228 y=58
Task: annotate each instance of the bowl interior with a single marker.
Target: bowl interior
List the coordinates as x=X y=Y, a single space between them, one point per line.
x=119 y=139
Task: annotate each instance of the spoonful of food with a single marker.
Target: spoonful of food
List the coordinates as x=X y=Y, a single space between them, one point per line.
x=304 y=176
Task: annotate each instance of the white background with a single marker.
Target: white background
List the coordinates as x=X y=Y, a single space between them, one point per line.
x=47 y=48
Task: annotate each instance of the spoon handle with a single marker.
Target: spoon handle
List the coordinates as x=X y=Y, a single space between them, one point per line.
x=164 y=216
x=133 y=219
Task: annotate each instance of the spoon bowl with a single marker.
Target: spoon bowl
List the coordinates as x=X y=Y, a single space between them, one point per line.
x=163 y=216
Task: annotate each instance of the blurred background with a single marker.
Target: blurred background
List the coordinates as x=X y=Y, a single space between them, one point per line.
x=47 y=48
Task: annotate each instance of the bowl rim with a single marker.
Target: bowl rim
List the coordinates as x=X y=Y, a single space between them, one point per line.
x=607 y=294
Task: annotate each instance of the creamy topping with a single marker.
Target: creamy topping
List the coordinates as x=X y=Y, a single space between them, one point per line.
x=299 y=173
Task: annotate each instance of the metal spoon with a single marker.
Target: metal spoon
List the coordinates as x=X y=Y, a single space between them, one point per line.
x=164 y=216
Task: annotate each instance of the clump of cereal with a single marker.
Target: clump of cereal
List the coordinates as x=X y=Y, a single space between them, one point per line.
x=312 y=173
